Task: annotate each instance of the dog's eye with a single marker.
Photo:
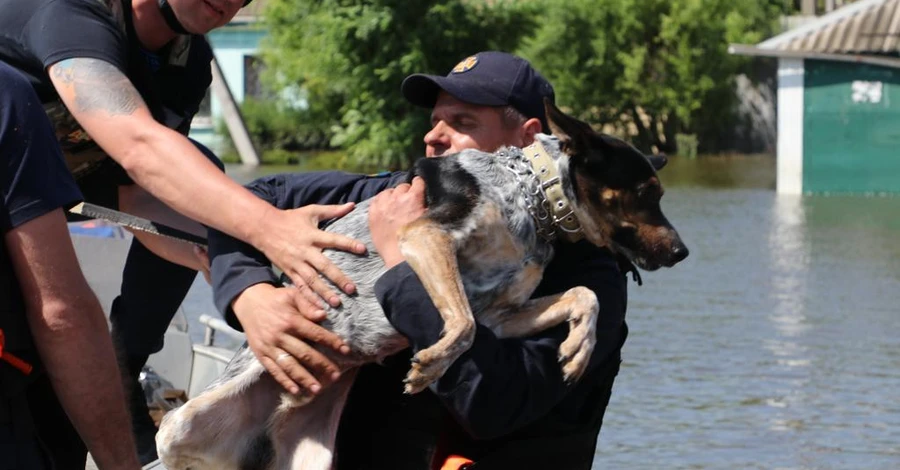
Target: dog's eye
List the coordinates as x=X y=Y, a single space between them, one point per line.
x=628 y=226
x=609 y=195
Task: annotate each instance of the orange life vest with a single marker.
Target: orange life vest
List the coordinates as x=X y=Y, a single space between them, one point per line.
x=456 y=462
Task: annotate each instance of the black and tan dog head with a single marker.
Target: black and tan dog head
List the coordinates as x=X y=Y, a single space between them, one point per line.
x=616 y=194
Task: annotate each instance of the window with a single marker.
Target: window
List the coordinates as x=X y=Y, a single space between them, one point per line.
x=253 y=85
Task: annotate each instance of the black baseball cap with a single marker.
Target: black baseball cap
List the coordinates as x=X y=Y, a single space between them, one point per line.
x=488 y=78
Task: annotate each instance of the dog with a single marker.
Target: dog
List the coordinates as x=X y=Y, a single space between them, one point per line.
x=480 y=251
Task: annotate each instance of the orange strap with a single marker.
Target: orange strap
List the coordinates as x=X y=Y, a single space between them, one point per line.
x=456 y=462
x=11 y=359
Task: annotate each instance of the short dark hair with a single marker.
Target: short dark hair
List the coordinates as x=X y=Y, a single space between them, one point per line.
x=510 y=117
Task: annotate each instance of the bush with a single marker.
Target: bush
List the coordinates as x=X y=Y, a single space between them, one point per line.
x=350 y=57
x=687 y=145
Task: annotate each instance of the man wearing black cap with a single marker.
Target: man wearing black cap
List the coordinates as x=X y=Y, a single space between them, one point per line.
x=492 y=79
x=503 y=404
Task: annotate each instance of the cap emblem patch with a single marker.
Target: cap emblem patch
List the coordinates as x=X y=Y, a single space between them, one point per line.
x=467 y=64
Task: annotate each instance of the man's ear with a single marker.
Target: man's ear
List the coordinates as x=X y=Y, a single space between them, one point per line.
x=574 y=135
x=531 y=128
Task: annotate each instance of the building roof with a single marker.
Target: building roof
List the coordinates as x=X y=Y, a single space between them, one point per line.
x=864 y=27
x=866 y=31
x=250 y=13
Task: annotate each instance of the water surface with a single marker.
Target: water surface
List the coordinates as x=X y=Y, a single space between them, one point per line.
x=775 y=344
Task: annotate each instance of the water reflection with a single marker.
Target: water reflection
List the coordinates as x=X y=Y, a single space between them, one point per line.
x=789 y=259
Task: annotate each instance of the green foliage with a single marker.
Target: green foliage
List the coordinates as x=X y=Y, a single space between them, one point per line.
x=645 y=69
x=351 y=56
x=651 y=68
x=281 y=132
x=687 y=145
x=278 y=126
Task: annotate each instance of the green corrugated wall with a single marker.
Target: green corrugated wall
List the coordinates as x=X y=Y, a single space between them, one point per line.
x=851 y=136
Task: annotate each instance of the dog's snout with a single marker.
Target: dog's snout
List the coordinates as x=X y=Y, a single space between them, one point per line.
x=679 y=253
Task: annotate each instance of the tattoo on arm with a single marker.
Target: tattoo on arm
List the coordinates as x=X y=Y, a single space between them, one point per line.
x=98 y=86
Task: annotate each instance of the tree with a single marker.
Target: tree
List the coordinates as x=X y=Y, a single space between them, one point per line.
x=647 y=68
x=350 y=56
x=644 y=69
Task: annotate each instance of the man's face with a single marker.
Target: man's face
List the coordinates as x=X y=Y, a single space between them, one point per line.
x=202 y=16
x=456 y=126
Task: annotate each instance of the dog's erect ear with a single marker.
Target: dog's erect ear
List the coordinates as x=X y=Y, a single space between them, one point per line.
x=573 y=134
x=658 y=161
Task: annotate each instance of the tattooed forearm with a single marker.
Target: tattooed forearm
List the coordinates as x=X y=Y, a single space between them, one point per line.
x=98 y=86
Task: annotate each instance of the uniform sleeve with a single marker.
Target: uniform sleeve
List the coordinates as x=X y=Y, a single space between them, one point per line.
x=34 y=179
x=236 y=265
x=501 y=385
x=65 y=29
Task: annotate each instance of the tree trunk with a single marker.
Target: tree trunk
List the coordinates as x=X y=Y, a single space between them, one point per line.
x=654 y=133
x=643 y=140
x=670 y=128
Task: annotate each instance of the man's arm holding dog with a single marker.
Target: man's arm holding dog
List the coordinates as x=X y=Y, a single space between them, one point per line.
x=239 y=265
x=500 y=385
x=248 y=292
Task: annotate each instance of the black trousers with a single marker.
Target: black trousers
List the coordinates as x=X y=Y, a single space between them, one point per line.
x=55 y=432
x=35 y=433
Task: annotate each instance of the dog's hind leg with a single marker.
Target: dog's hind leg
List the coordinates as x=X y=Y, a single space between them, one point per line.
x=303 y=435
x=430 y=252
x=225 y=427
x=577 y=305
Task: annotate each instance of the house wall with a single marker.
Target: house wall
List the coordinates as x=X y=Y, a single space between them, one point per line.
x=851 y=121
x=231 y=45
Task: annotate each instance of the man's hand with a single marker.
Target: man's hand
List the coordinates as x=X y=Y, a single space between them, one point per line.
x=292 y=240
x=277 y=320
x=390 y=210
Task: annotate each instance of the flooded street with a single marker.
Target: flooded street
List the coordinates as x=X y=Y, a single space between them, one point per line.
x=775 y=345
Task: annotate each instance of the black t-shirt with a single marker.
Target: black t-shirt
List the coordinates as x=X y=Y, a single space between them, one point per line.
x=35 y=34
x=34 y=181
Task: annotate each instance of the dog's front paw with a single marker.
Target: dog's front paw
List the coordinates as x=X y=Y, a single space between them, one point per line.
x=575 y=352
x=424 y=372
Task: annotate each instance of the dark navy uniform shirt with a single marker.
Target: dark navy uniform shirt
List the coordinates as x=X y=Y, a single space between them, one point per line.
x=507 y=395
x=34 y=181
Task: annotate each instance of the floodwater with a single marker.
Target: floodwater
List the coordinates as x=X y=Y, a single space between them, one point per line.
x=775 y=345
